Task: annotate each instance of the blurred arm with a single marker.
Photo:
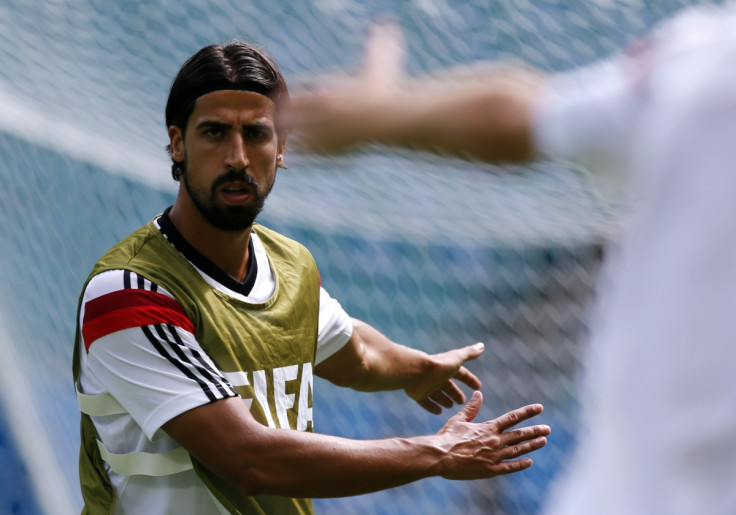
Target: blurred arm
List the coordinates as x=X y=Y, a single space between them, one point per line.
x=481 y=113
x=489 y=120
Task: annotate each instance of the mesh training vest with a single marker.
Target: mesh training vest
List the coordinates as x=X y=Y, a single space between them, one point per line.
x=278 y=337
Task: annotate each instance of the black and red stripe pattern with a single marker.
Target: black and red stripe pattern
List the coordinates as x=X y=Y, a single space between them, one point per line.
x=163 y=322
x=128 y=308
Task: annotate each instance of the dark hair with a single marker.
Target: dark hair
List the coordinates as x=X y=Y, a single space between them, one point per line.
x=236 y=65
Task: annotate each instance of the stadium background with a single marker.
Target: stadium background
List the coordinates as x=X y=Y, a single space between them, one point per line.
x=435 y=253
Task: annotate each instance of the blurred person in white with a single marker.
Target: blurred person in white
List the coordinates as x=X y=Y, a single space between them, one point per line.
x=199 y=334
x=658 y=424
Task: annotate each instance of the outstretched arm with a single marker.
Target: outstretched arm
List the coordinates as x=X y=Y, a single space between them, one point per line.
x=371 y=362
x=258 y=459
x=482 y=113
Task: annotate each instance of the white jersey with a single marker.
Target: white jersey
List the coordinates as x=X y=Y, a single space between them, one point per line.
x=155 y=385
x=659 y=406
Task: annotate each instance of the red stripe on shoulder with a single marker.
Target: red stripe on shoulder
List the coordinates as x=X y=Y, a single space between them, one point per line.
x=124 y=309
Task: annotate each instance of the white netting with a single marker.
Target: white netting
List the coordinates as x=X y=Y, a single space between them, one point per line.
x=434 y=253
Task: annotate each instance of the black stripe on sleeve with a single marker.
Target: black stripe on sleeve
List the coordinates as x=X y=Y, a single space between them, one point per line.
x=141 y=282
x=205 y=368
x=196 y=369
x=184 y=369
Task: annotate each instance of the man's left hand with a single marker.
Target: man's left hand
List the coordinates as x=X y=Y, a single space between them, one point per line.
x=437 y=389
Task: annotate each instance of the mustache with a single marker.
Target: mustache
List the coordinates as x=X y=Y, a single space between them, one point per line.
x=235 y=176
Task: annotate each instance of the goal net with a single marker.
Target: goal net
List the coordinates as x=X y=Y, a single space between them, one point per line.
x=436 y=253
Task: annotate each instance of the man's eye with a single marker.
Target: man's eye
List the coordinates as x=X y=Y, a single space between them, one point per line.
x=213 y=132
x=255 y=134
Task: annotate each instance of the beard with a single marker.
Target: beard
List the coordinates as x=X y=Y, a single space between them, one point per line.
x=224 y=217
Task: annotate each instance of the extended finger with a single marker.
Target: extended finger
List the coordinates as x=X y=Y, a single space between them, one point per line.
x=466 y=377
x=520 y=449
x=513 y=417
x=509 y=467
x=443 y=400
x=471 y=409
x=430 y=406
x=451 y=390
x=524 y=433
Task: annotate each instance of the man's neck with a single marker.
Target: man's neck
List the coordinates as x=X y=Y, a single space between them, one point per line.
x=228 y=250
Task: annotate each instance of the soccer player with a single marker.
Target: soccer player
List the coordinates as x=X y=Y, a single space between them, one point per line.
x=199 y=335
x=659 y=403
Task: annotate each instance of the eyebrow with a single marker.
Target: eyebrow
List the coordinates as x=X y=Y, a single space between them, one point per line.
x=212 y=123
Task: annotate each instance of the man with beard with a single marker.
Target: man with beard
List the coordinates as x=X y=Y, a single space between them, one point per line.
x=199 y=334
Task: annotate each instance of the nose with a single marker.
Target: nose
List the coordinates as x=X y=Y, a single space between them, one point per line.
x=236 y=157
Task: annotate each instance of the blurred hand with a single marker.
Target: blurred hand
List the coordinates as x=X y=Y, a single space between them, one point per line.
x=334 y=114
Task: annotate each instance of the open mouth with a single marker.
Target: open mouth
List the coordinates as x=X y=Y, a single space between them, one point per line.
x=236 y=193
x=234 y=189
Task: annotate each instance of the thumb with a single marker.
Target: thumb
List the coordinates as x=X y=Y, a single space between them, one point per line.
x=471 y=409
x=473 y=351
x=462 y=354
x=384 y=55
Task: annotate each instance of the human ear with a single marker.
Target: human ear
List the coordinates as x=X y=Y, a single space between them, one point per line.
x=280 y=152
x=176 y=144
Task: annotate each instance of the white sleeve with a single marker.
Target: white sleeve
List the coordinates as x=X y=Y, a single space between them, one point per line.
x=155 y=371
x=335 y=327
x=590 y=115
x=605 y=115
